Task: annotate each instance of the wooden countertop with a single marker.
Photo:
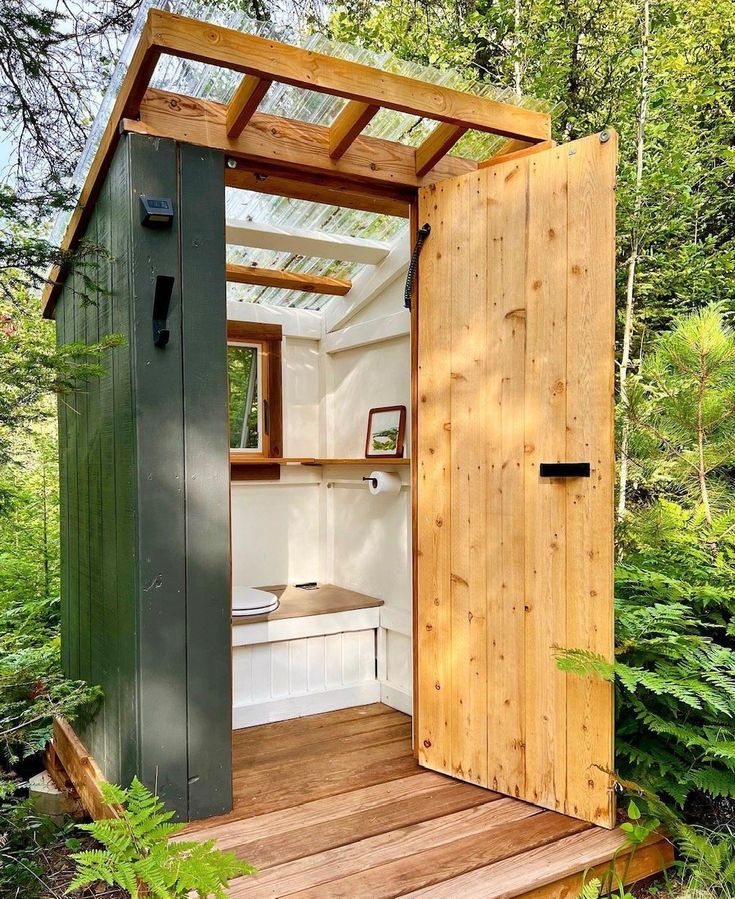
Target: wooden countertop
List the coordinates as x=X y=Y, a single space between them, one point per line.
x=299 y=603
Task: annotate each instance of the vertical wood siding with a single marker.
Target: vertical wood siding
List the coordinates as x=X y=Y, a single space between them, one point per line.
x=515 y=368
x=145 y=484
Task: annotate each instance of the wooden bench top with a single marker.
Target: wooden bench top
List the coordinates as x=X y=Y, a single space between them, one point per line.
x=297 y=602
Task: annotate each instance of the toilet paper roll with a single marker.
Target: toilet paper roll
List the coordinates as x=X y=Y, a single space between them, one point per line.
x=386 y=482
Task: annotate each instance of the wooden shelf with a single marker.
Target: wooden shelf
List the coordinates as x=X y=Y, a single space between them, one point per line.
x=242 y=460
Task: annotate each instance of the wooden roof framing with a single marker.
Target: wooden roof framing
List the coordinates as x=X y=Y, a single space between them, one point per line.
x=268 y=277
x=374 y=170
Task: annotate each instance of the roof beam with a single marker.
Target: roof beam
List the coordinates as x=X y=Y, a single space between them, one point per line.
x=525 y=150
x=273 y=61
x=369 y=284
x=436 y=146
x=305 y=243
x=300 y=145
x=327 y=189
x=268 y=277
x=248 y=95
x=348 y=125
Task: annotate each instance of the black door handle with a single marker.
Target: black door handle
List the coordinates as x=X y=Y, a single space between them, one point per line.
x=564 y=470
x=161 y=302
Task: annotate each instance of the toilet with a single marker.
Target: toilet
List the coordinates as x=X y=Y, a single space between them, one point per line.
x=248 y=601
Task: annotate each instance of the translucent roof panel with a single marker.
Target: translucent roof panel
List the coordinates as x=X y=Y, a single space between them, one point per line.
x=219 y=84
x=248 y=206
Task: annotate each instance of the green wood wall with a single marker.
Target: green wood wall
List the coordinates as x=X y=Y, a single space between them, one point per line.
x=145 y=484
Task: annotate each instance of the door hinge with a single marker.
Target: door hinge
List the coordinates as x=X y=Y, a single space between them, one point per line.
x=423 y=232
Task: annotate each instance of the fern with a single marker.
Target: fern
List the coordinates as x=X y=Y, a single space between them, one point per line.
x=140 y=857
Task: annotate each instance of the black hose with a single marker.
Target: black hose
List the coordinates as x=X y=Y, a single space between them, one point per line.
x=423 y=232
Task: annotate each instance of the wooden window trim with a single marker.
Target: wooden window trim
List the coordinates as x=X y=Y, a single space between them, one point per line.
x=270 y=338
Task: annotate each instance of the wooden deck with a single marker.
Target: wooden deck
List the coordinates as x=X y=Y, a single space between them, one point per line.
x=334 y=805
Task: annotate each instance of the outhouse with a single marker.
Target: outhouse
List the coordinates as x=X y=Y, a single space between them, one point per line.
x=356 y=444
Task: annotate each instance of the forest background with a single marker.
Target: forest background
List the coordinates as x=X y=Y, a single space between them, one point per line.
x=663 y=75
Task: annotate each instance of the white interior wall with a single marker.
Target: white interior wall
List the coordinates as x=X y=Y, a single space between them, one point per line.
x=322 y=523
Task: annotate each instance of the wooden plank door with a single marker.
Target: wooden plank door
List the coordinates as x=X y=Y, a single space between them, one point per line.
x=515 y=367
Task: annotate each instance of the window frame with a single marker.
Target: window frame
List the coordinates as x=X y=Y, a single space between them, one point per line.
x=268 y=339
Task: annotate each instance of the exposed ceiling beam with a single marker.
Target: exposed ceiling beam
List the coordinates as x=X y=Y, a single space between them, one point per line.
x=369 y=284
x=436 y=146
x=304 y=146
x=525 y=150
x=348 y=124
x=273 y=61
x=327 y=189
x=268 y=277
x=305 y=243
x=240 y=110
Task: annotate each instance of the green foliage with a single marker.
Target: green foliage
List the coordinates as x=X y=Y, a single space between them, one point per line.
x=682 y=410
x=708 y=861
x=674 y=669
x=25 y=839
x=138 y=852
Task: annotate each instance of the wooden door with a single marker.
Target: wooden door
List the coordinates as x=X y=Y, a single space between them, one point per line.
x=515 y=367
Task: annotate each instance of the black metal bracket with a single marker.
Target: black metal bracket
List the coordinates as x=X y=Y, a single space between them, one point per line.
x=373 y=481
x=161 y=302
x=423 y=232
x=564 y=470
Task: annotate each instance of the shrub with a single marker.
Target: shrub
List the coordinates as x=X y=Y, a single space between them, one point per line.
x=138 y=854
x=674 y=669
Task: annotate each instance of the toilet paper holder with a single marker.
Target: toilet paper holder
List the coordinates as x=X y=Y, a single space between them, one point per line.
x=373 y=481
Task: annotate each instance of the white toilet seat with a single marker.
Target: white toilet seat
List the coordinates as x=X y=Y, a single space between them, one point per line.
x=247 y=601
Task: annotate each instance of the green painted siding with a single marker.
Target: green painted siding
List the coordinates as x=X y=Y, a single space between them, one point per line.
x=145 y=484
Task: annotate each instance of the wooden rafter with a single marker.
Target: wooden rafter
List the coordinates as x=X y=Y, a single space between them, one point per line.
x=264 y=58
x=248 y=95
x=330 y=190
x=303 y=242
x=267 y=61
x=267 y=277
x=436 y=146
x=348 y=125
x=525 y=150
x=304 y=146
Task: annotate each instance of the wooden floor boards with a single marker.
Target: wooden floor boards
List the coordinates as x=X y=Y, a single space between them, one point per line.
x=334 y=805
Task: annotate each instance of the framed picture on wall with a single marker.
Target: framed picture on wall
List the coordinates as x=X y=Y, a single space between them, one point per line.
x=386 y=432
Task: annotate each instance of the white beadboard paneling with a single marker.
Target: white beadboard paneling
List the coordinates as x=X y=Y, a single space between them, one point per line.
x=298 y=671
x=310 y=704
x=291 y=678
x=333 y=661
x=308 y=626
x=315 y=664
x=280 y=669
x=261 y=668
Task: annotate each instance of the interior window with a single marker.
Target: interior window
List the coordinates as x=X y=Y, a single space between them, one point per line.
x=244 y=372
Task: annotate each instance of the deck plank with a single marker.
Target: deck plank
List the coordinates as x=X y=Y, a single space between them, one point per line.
x=335 y=805
x=357 y=869
x=349 y=829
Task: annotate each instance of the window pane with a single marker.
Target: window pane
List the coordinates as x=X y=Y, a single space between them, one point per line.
x=242 y=372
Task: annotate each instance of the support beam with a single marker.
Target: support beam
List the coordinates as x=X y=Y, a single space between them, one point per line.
x=330 y=190
x=268 y=277
x=348 y=124
x=305 y=243
x=436 y=146
x=248 y=95
x=525 y=150
x=273 y=61
x=369 y=284
x=387 y=327
x=300 y=145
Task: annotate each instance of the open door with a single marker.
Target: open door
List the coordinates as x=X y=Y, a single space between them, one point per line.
x=515 y=348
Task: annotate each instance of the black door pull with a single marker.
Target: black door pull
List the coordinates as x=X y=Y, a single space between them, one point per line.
x=564 y=470
x=161 y=302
